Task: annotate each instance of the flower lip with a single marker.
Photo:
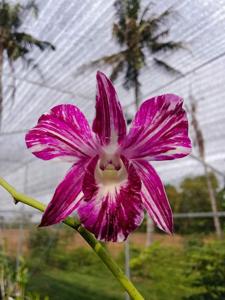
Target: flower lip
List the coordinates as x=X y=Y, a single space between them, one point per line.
x=110 y=155
x=111 y=210
x=111 y=175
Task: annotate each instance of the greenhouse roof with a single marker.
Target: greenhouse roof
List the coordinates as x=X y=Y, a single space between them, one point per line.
x=81 y=32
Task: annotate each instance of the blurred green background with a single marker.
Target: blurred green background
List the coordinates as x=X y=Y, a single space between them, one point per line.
x=58 y=264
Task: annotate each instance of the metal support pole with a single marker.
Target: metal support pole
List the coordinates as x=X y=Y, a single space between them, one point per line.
x=21 y=226
x=149 y=233
x=127 y=263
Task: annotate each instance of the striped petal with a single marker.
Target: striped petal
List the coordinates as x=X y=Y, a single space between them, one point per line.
x=63 y=132
x=154 y=196
x=159 y=130
x=111 y=210
x=67 y=196
x=109 y=123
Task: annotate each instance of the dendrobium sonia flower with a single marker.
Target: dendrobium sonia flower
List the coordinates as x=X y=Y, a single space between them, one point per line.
x=111 y=181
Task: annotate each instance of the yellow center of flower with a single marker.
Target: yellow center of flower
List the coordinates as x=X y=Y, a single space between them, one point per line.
x=110 y=175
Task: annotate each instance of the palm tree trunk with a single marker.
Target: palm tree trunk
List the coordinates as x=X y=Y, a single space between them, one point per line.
x=1 y=87
x=201 y=150
x=13 y=95
x=137 y=92
x=213 y=202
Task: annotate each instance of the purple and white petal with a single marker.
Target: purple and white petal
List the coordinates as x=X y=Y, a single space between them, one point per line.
x=111 y=209
x=109 y=123
x=62 y=133
x=67 y=196
x=159 y=130
x=154 y=196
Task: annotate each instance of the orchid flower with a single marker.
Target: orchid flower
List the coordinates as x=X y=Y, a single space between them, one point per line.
x=111 y=181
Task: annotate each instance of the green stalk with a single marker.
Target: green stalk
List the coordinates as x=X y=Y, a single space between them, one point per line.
x=89 y=238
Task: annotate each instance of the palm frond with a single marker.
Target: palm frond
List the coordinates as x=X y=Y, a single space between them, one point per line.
x=31 y=6
x=166 y=66
x=145 y=11
x=12 y=16
x=120 y=7
x=30 y=63
x=118 y=33
x=109 y=60
x=15 y=51
x=15 y=13
x=114 y=58
x=155 y=47
x=132 y=8
x=160 y=35
x=161 y=19
x=29 y=41
x=145 y=29
x=117 y=69
x=9 y=16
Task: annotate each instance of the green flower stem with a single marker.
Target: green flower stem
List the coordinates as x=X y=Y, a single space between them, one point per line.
x=89 y=238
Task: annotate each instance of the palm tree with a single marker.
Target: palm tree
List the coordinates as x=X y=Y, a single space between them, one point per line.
x=14 y=43
x=200 y=144
x=138 y=33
